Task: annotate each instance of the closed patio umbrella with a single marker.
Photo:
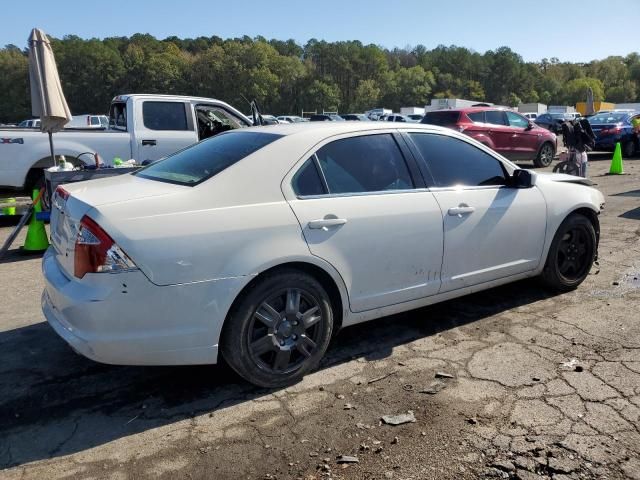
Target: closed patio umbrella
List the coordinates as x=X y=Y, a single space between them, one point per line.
x=590 y=109
x=47 y=98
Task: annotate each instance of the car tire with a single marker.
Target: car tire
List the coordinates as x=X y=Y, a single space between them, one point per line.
x=545 y=155
x=628 y=149
x=278 y=330
x=571 y=255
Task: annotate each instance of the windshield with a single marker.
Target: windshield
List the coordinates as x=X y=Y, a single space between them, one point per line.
x=608 y=117
x=441 y=118
x=201 y=161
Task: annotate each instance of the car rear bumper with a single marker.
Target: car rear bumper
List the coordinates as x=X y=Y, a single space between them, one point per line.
x=124 y=319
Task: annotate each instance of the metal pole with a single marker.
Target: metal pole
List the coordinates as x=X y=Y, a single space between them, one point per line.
x=53 y=157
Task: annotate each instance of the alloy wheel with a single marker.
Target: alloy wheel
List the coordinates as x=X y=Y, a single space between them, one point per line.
x=546 y=154
x=573 y=253
x=285 y=330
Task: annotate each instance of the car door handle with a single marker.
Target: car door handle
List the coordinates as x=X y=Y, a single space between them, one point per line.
x=462 y=209
x=149 y=142
x=325 y=223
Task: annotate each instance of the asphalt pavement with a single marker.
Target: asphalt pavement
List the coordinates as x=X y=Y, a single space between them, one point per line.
x=514 y=382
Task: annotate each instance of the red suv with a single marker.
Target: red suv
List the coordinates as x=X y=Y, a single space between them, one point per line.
x=506 y=131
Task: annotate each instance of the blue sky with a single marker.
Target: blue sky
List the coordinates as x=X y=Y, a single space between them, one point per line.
x=572 y=30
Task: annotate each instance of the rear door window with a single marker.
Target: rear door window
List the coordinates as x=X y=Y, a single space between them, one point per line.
x=369 y=163
x=476 y=117
x=307 y=180
x=453 y=162
x=495 y=117
x=164 y=116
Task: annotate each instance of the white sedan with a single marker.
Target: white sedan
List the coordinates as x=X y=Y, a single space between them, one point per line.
x=258 y=244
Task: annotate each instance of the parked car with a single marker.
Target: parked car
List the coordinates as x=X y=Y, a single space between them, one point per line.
x=144 y=127
x=377 y=113
x=290 y=119
x=32 y=123
x=615 y=127
x=251 y=244
x=88 y=121
x=269 y=119
x=529 y=115
x=395 y=117
x=325 y=117
x=553 y=121
x=360 y=117
x=505 y=131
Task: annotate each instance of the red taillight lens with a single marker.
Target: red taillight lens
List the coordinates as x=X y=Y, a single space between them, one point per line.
x=62 y=193
x=92 y=244
x=95 y=251
x=611 y=131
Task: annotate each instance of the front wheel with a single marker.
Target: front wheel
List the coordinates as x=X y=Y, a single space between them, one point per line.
x=571 y=254
x=279 y=330
x=629 y=149
x=545 y=155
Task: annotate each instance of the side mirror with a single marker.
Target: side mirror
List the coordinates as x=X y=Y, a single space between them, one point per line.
x=522 y=179
x=530 y=126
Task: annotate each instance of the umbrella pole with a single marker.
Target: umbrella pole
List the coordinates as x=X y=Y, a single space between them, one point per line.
x=53 y=157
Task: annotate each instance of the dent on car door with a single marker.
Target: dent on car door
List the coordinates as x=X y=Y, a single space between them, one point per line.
x=490 y=230
x=359 y=209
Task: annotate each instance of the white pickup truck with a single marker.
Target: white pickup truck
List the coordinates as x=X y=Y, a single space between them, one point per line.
x=144 y=127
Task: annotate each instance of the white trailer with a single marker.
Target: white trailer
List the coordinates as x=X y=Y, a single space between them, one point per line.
x=412 y=111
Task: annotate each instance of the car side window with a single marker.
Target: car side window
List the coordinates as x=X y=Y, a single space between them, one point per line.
x=453 y=162
x=516 y=120
x=476 y=117
x=307 y=180
x=368 y=163
x=495 y=117
x=164 y=115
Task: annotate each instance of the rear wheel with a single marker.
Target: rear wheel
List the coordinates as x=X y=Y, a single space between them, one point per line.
x=571 y=254
x=545 y=155
x=279 y=330
x=629 y=149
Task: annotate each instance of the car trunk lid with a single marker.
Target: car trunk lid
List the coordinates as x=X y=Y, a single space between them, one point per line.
x=71 y=202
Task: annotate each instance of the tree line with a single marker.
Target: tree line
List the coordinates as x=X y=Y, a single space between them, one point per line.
x=285 y=77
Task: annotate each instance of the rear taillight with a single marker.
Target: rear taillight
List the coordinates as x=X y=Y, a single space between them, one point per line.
x=62 y=193
x=96 y=252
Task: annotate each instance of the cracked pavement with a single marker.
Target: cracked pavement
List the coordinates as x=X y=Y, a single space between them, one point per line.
x=543 y=386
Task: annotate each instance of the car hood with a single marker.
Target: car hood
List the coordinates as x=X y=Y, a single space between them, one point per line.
x=563 y=177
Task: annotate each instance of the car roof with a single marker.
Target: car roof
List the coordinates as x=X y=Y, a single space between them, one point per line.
x=325 y=129
x=471 y=109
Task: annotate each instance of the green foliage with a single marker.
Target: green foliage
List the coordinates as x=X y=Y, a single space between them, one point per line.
x=285 y=77
x=576 y=90
x=14 y=85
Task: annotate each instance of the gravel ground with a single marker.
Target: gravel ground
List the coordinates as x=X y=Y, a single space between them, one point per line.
x=537 y=386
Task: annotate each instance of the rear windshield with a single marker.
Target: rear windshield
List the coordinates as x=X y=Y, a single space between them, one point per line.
x=608 y=118
x=441 y=118
x=201 y=161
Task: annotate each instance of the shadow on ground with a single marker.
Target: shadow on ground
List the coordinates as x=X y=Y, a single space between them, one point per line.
x=54 y=402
